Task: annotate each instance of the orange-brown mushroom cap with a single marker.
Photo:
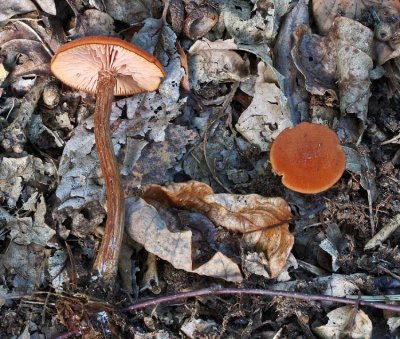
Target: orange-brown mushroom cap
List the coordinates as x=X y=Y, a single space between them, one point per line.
x=309 y=158
x=79 y=62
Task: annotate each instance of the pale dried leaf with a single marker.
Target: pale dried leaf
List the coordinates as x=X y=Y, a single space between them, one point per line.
x=196 y=328
x=150 y=275
x=25 y=231
x=205 y=44
x=267 y=115
x=216 y=65
x=58 y=274
x=16 y=173
x=338 y=285
x=48 y=6
x=343 y=323
x=393 y=323
x=28 y=263
x=147 y=227
x=257 y=264
x=247 y=26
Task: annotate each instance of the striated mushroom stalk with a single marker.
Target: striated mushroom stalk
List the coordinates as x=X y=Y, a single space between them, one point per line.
x=107 y=66
x=106 y=263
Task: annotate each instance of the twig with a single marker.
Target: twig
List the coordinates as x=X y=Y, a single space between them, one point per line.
x=394 y=140
x=45 y=309
x=260 y=292
x=10 y=110
x=384 y=233
x=72 y=263
x=393 y=275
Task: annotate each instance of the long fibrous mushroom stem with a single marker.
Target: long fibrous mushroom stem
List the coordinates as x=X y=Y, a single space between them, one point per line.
x=106 y=263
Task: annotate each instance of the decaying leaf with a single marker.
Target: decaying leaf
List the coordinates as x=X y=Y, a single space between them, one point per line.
x=25 y=231
x=325 y=11
x=18 y=174
x=129 y=11
x=154 y=161
x=94 y=22
x=293 y=87
x=263 y=221
x=267 y=115
x=27 y=264
x=14 y=7
x=346 y=322
x=147 y=227
x=215 y=62
x=393 y=323
x=360 y=162
x=344 y=56
x=340 y=285
x=25 y=56
x=56 y=269
x=196 y=328
x=221 y=149
x=250 y=26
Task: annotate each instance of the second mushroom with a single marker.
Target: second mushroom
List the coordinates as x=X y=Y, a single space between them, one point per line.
x=107 y=66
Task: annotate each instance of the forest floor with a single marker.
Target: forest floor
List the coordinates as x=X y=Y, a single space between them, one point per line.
x=206 y=214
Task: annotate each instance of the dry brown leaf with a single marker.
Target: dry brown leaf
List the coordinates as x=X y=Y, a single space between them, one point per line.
x=262 y=220
x=149 y=228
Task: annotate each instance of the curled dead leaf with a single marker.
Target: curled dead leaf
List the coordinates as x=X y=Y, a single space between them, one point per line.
x=148 y=227
x=264 y=221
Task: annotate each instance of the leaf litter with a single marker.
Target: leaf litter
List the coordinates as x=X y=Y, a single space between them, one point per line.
x=195 y=172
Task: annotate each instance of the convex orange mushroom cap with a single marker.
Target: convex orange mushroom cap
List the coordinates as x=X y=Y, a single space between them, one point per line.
x=309 y=158
x=78 y=63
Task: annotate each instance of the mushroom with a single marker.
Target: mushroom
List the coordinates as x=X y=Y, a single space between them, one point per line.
x=106 y=67
x=309 y=158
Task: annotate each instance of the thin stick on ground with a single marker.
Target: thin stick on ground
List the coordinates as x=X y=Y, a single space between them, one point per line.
x=259 y=292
